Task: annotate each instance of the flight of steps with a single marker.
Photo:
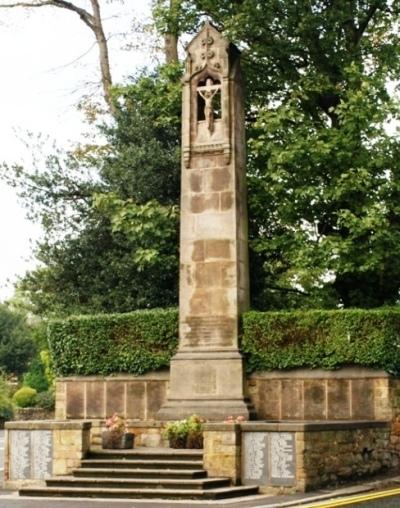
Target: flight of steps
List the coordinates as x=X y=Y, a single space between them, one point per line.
x=141 y=473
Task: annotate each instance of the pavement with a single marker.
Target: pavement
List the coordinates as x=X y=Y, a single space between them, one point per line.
x=383 y=493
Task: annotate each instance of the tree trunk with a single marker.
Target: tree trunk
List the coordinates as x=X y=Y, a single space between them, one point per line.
x=171 y=37
x=103 y=54
x=170 y=47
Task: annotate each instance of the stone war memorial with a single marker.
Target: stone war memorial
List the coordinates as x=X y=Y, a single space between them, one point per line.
x=272 y=431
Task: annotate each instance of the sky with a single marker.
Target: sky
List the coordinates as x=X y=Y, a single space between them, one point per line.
x=48 y=61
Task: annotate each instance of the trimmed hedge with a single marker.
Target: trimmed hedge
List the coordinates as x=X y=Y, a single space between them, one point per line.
x=322 y=339
x=134 y=342
x=142 y=341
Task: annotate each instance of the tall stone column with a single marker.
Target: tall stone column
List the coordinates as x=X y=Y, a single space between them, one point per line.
x=207 y=372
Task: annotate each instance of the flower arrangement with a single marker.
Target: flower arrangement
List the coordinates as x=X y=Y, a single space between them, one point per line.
x=185 y=433
x=235 y=419
x=116 y=424
x=116 y=435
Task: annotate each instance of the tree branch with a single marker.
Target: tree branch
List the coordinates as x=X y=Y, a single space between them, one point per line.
x=370 y=14
x=85 y=16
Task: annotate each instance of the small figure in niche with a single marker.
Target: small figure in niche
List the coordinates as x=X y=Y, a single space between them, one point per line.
x=208 y=93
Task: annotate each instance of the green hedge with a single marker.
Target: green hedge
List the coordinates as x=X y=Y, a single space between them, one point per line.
x=133 y=343
x=322 y=339
x=141 y=341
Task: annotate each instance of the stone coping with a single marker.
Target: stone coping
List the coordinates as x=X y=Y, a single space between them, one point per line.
x=96 y=422
x=342 y=373
x=303 y=426
x=156 y=375
x=48 y=425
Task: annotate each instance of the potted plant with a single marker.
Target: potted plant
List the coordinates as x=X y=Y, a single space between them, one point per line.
x=116 y=436
x=185 y=433
x=176 y=433
x=194 y=437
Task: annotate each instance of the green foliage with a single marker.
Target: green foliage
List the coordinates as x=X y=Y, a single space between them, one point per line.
x=47 y=362
x=322 y=339
x=134 y=342
x=45 y=400
x=6 y=407
x=25 y=397
x=91 y=261
x=16 y=344
x=153 y=228
x=324 y=171
x=141 y=341
x=186 y=433
x=35 y=377
x=175 y=16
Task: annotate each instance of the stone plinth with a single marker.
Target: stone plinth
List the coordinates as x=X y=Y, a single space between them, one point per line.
x=207 y=372
x=37 y=450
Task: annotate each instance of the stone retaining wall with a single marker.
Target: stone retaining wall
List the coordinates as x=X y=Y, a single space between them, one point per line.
x=301 y=394
x=37 y=450
x=96 y=397
x=289 y=457
x=316 y=394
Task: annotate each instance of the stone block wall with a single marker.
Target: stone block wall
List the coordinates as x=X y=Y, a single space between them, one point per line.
x=290 y=457
x=37 y=450
x=302 y=394
x=316 y=394
x=222 y=449
x=97 y=397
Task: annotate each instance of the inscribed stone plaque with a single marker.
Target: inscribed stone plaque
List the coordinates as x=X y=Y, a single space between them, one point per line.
x=95 y=400
x=255 y=458
x=41 y=454
x=115 y=397
x=283 y=467
x=19 y=454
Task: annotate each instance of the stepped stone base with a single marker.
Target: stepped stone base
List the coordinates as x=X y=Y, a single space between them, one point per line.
x=136 y=474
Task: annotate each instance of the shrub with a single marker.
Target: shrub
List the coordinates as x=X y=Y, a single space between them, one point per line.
x=25 y=397
x=141 y=341
x=134 y=342
x=322 y=339
x=6 y=407
x=45 y=400
x=36 y=376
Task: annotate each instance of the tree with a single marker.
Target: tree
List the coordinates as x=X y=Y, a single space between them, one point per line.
x=173 y=18
x=94 y=22
x=93 y=258
x=323 y=169
x=16 y=344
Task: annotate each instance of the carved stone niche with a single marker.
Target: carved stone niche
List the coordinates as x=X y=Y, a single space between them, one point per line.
x=210 y=67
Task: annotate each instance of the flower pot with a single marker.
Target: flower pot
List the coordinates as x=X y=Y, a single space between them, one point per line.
x=116 y=441
x=194 y=440
x=177 y=441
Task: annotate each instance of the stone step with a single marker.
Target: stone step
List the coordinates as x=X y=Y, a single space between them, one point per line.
x=147 y=463
x=138 y=483
x=145 y=453
x=138 y=473
x=218 y=493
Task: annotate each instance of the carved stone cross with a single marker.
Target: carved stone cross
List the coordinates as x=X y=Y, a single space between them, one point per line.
x=208 y=93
